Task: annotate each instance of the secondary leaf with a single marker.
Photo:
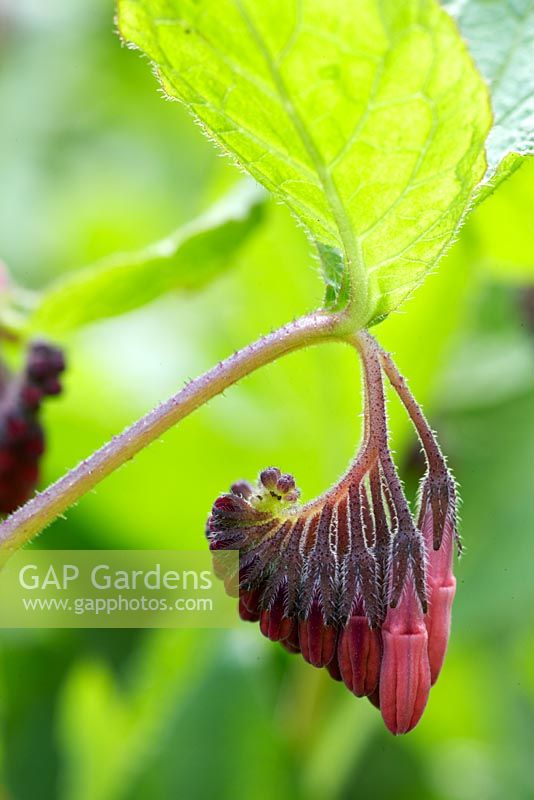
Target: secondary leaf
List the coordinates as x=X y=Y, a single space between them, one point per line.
x=190 y=257
x=367 y=119
x=500 y=35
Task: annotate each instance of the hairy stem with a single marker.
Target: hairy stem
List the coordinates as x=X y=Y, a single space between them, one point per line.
x=408 y=545
x=39 y=512
x=436 y=459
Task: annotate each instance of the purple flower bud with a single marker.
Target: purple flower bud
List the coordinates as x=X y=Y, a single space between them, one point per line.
x=269 y=477
x=21 y=433
x=44 y=364
x=285 y=484
x=242 y=489
x=280 y=487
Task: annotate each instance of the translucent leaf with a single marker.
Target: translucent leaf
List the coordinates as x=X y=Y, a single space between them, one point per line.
x=368 y=120
x=190 y=257
x=500 y=35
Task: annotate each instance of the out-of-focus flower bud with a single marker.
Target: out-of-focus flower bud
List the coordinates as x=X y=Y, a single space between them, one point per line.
x=22 y=441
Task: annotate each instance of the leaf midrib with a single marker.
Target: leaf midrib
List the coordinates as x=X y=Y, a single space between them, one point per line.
x=350 y=243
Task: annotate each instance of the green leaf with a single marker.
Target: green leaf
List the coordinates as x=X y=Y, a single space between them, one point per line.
x=187 y=259
x=510 y=164
x=367 y=119
x=333 y=274
x=500 y=35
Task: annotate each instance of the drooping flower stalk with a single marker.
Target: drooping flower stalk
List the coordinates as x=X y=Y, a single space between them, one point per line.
x=347 y=579
x=437 y=521
x=407 y=544
x=438 y=486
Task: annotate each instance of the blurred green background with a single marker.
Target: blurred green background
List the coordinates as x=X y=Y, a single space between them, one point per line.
x=93 y=160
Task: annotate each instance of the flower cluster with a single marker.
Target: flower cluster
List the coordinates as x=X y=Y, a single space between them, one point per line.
x=21 y=434
x=350 y=580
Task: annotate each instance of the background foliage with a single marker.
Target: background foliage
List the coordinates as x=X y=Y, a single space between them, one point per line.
x=93 y=161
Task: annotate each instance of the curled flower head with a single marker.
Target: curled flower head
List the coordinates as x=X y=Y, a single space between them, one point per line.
x=351 y=580
x=22 y=441
x=315 y=563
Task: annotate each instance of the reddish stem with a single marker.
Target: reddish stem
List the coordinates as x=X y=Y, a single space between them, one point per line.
x=435 y=458
x=39 y=512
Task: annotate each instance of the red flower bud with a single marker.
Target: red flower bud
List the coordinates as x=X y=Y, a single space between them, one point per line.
x=333 y=669
x=405 y=671
x=317 y=639
x=274 y=624
x=291 y=641
x=359 y=655
x=249 y=606
x=441 y=591
x=374 y=698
